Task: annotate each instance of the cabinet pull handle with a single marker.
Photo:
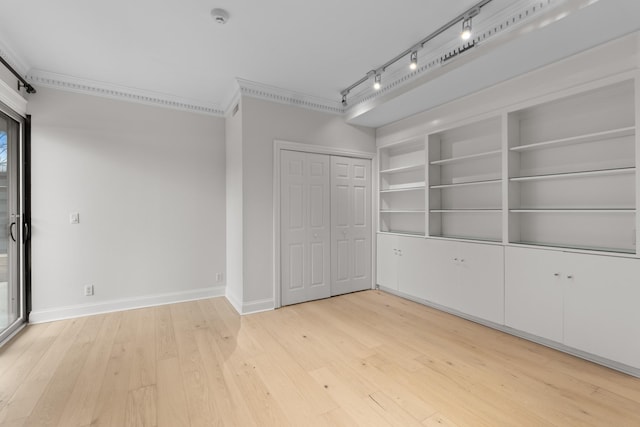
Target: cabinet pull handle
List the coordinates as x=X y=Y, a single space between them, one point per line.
x=455 y=259
x=461 y=259
x=556 y=274
x=569 y=277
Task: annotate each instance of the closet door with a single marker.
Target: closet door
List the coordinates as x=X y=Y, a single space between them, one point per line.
x=350 y=225
x=305 y=226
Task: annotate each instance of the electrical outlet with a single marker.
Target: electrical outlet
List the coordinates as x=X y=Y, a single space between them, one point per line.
x=219 y=277
x=88 y=290
x=74 y=218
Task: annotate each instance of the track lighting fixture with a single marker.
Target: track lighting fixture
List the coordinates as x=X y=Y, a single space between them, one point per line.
x=466 y=29
x=412 y=52
x=377 y=81
x=414 y=60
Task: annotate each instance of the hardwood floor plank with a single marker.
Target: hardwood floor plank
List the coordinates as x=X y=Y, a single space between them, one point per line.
x=31 y=388
x=368 y=358
x=79 y=408
x=172 y=403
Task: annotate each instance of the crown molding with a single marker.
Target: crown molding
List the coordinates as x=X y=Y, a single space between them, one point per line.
x=289 y=97
x=107 y=90
x=17 y=62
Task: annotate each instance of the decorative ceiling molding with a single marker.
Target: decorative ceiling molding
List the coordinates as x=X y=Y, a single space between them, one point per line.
x=90 y=87
x=436 y=56
x=289 y=97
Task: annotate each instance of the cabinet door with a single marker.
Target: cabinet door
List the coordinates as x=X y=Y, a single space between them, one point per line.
x=442 y=274
x=481 y=287
x=412 y=274
x=534 y=291
x=602 y=312
x=387 y=261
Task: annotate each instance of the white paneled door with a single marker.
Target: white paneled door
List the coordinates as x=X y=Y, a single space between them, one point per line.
x=350 y=225
x=325 y=226
x=305 y=226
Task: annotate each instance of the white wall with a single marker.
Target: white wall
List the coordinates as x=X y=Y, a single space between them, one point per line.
x=233 y=136
x=149 y=184
x=264 y=122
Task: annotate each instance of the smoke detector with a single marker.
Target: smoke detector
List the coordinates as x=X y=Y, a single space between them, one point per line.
x=221 y=16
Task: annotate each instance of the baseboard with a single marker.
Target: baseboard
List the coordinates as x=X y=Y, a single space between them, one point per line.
x=630 y=370
x=60 y=313
x=250 y=307
x=257 y=306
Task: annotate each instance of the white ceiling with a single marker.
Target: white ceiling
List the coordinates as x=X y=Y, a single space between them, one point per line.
x=174 y=47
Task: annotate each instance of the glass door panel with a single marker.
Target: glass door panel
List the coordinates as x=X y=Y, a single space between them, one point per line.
x=11 y=295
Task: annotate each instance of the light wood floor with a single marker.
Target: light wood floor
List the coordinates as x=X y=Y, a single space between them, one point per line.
x=367 y=359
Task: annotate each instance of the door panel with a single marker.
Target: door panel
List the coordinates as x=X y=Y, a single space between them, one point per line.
x=351 y=224
x=534 y=292
x=305 y=226
x=12 y=307
x=387 y=261
x=601 y=306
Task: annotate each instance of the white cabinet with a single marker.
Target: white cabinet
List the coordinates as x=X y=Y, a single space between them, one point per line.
x=602 y=306
x=400 y=264
x=534 y=292
x=467 y=277
x=587 y=302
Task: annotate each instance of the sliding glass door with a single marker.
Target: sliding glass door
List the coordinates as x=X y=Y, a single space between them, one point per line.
x=12 y=229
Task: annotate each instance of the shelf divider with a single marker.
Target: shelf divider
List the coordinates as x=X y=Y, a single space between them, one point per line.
x=579 y=139
x=466 y=158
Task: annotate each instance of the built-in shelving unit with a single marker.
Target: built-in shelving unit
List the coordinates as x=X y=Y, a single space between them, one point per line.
x=402 y=187
x=561 y=173
x=526 y=212
x=572 y=171
x=464 y=195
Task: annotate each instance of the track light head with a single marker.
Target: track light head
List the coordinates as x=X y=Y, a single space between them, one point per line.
x=466 y=29
x=344 y=100
x=414 y=60
x=377 y=81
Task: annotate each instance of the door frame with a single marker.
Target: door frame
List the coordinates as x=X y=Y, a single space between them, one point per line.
x=280 y=145
x=23 y=208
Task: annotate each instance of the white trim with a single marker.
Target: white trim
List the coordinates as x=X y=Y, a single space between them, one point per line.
x=289 y=97
x=250 y=307
x=278 y=146
x=234 y=301
x=107 y=90
x=60 y=313
x=12 y=99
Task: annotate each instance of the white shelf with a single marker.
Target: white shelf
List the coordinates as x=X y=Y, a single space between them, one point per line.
x=604 y=210
x=573 y=247
x=402 y=233
x=405 y=211
x=466 y=211
x=471 y=239
x=466 y=158
x=604 y=172
x=402 y=169
x=579 y=139
x=402 y=189
x=466 y=184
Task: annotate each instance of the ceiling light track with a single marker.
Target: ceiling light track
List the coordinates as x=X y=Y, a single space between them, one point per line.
x=22 y=83
x=464 y=17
